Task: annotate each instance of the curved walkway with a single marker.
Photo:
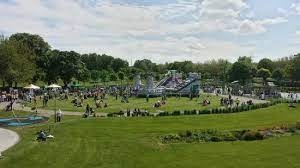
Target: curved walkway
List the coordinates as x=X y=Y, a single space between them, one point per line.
x=8 y=138
x=241 y=98
x=45 y=112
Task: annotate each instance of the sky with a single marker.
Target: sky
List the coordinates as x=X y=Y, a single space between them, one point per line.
x=160 y=30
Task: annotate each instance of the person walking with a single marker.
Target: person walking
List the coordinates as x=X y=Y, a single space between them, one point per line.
x=59 y=115
x=237 y=101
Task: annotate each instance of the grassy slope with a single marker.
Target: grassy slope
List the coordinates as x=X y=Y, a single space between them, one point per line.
x=116 y=105
x=5 y=114
x=132 y=142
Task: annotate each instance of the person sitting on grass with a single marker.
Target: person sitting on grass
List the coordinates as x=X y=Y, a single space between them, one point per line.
x=205 y=102
x=157 y=104
x=92 y=111
x=41 y=136
x=98 y=104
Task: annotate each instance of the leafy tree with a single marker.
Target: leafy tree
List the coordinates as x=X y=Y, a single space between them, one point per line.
x=17 y=62
x=264 y=73
x=104 y=75
x=240 y=71
x=145 y=65
x=113 y=77
x=266 y=64
x=277 y=74
x=121 y=76
x=67 y=65
x=293 y=69
x=83 y=75
x=95 y=75
x=38 y=46
x=118 y=64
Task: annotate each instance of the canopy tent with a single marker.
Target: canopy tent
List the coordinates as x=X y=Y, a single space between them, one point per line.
x=76 y=85
x=31 y=86
x=53 y=86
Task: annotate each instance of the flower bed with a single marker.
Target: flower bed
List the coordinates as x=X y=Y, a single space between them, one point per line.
x=212 y=135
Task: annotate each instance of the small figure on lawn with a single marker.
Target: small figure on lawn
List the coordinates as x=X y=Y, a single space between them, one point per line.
x=59 y=116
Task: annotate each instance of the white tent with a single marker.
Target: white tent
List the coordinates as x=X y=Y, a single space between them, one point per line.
x=54 y=86
x=31 y=86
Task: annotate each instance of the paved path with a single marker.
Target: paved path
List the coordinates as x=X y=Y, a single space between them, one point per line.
x=43 y=112
x=8 y=138
x=241 y=98
x=47 y=113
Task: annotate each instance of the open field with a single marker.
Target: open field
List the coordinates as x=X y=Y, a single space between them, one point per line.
x=114 y=105
x=133 y=142
x=4 y=114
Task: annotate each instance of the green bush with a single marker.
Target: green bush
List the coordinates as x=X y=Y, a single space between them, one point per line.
x=176 y=113
x=252 y=135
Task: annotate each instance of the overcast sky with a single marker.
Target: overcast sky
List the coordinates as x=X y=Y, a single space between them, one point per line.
x=160 y=30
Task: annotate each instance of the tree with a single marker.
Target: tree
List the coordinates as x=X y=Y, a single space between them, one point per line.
x=145 y=65
x=118 y=64
x=240 y=71
x=38 y=46
x=97 y=62
x=113 y=77
x=293 y=69
x=83 y=75
x=67 y=65
x=121 y=76
x=277 y=74
x=266 y=64
x=104 y=75
x=17 y=62
x=95 y=75
x=264 y=73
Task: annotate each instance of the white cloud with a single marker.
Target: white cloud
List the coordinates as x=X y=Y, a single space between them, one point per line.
x=224 y=4
x=296 y=7
x=131 y=30
x=247 y=27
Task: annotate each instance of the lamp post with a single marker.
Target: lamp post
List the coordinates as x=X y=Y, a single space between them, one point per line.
x=54 y=87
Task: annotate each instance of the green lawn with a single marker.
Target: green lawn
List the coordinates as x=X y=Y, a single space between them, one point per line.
x=5 y=114
x=133 y=142
x=114 y=105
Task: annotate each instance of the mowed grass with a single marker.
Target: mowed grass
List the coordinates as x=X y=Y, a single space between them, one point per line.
x=8 y=114
x=114 y=105
x=133 y=142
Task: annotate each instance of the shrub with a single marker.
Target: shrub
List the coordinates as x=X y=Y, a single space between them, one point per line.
x=176 y=113
x=298 y=125
x=215 y=139
x=194 y=112
x=164 y=113
x=252 y=135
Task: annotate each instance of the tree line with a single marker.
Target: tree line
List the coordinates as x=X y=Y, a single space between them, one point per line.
x=27 y=58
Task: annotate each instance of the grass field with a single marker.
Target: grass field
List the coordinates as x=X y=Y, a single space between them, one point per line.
x=4 y=114
x=114 y=105
x=133 y=142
